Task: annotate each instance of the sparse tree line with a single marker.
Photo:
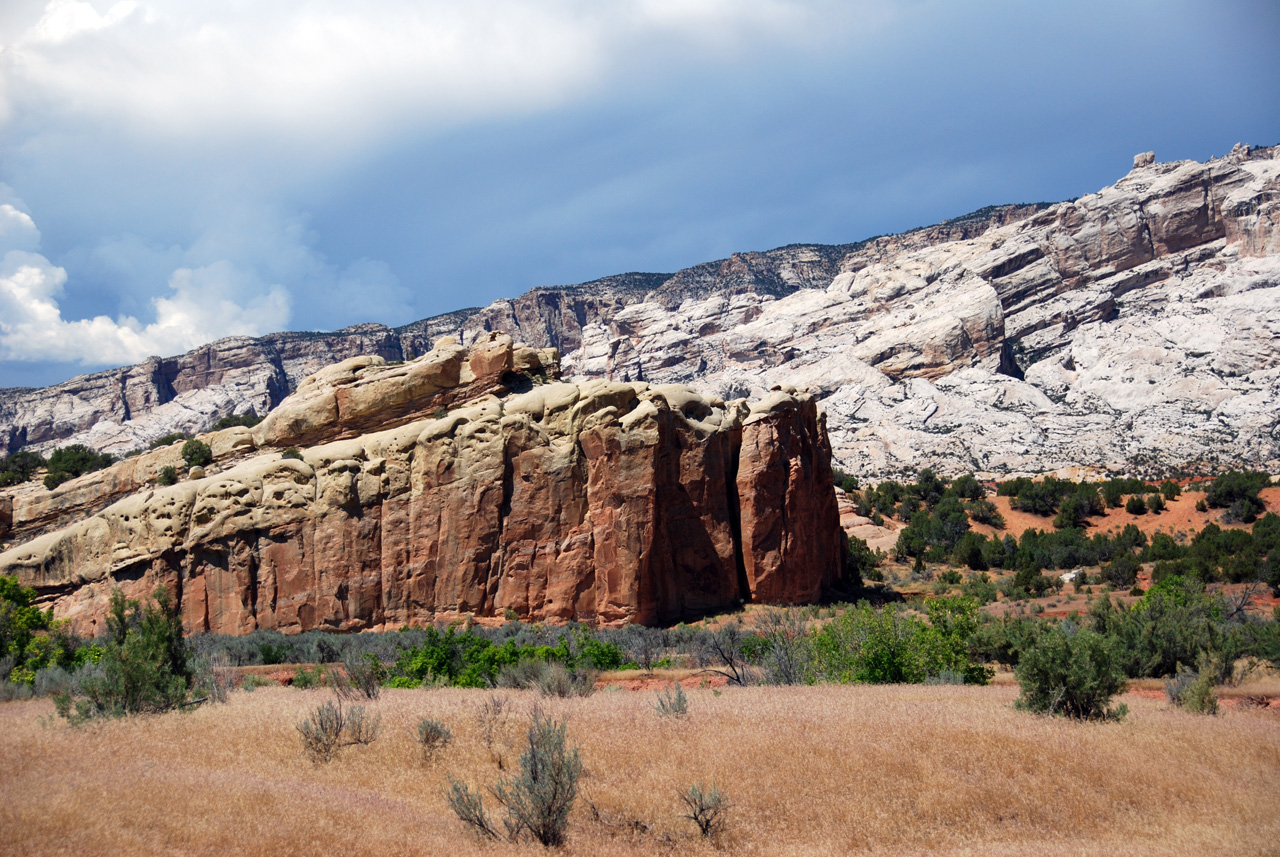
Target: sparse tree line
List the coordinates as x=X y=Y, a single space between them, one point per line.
x=939 y=517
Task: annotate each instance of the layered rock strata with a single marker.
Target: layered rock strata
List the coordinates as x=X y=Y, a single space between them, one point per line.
x=603 y=502
x=1134 y=329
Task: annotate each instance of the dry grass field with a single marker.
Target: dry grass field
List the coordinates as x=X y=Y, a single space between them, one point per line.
x=822 y=770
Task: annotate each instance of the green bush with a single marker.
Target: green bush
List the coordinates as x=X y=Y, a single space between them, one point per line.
x=1135 y=505
x=292 y=452
x=144 y=663
x=985 y=512
x=1071 y=672
x=1155 y=503
x=1237 y=491
x=248 y=419
x=19 y=467
x=889 y=647
x=196 y=453
x=1192 y=690
x=170 y=439
x=68 y=462
x=168 y=476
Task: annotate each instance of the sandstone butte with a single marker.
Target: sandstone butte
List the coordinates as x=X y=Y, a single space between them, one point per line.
x=454 y=484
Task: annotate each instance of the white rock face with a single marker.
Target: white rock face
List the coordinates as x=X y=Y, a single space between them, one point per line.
x=1145 y=320
x=1133 y=329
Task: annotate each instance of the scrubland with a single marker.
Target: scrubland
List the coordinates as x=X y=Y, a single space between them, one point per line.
x=854 y=769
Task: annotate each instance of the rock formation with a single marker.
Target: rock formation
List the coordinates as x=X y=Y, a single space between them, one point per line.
x=455 y=484
x=1134 y=329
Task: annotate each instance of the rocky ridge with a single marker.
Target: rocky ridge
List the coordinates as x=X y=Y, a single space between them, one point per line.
x=1133 y=329
x=453 y=484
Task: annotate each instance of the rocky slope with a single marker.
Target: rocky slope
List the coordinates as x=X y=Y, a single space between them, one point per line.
x=126 y=409
x=1133 y=329
x=454 y=484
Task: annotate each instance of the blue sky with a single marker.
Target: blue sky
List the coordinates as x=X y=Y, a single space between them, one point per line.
x=174 y=171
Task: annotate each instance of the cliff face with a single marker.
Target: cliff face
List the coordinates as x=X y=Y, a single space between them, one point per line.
x=1133 y=329
x=603 y=502
x=125 y=409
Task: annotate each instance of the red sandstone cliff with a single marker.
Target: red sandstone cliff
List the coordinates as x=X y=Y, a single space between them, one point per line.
x=601 y=502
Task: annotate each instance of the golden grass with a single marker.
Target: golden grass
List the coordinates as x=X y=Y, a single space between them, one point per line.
x=816 y=771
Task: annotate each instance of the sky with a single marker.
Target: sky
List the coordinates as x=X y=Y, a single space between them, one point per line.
x=176 y=171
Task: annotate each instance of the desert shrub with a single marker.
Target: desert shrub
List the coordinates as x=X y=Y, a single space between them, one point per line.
x=967 y=487
x=328 y=728
x=555 y=680
x=305 y=678
x=168 y=475
x=1135 y=505
x=784 y=650
x=365 y=673
x=1170 y=490
x=1122 y=572
x=249 y=419
x=980 y=588
x=322 y=731
x=1071 y=672
x=950 y=577
x=539 y=798
x=493 y=718
x=169 y=439
x=672 y=701
x=196 y=453
x=860 y=561
x=19 y=467
x=985 y=512
x=361 y=728
x=433 y=737
x=214 y=677
x=1201 y=505
x=706 y=807
x=1237 y=491
x=252 y=682
x=144 y=663
x=945 y=677
x=68 y=462
x=844 y=481
x=1192 y=690
x=1155 y=503
x=292 y=452
x=468 y=805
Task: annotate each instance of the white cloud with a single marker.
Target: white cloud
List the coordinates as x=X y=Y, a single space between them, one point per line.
x=17 y=230
x=203 y=303
x=199 y=309
x=65 y=19
x=206 y=67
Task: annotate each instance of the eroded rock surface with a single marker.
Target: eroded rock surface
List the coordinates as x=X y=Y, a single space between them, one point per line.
x=436 y=488
x=1134 y=329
